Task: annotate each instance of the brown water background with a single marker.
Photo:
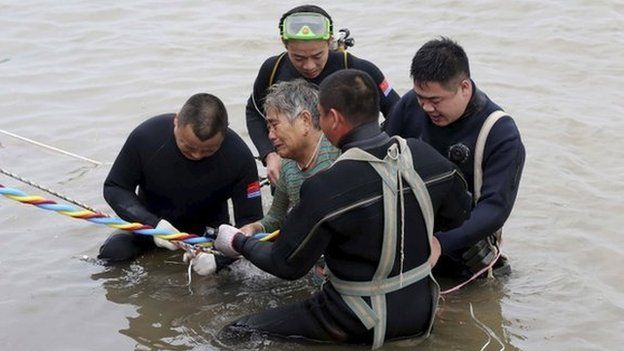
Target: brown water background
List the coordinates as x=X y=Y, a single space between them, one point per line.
x=81 y=75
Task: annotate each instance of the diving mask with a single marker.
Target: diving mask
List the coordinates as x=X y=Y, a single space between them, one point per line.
x=306 y=26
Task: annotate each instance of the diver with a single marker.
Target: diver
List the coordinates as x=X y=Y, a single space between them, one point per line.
x=307 y=34
x=177 y=171
x=448 y=111
x=372 y=215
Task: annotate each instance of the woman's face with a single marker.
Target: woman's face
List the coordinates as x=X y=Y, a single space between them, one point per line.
x=287 y=136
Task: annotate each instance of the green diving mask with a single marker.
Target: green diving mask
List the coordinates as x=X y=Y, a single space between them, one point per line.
x=306 y=26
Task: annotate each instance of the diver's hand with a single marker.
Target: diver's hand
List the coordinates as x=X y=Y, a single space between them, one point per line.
x=203 y=263
x=273 y=164
x=480 y=255
x=225 y=240
x=252 y=228
x=165 y=244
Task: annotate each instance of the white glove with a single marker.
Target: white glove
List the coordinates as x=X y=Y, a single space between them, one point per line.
x=165 y=244
x=225 y=238
x=203 y=263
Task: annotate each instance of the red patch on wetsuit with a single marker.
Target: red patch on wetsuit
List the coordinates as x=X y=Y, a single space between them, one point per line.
x=253 y=189
x=385 y=87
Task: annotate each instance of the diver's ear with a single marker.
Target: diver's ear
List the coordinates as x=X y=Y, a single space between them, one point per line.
x=466 y=88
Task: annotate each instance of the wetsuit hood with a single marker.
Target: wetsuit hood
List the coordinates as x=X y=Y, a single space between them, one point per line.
x=476 y=103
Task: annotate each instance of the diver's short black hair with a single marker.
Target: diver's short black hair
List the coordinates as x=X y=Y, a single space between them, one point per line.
x=440 y=60
x=206 y=114
x=353 y=93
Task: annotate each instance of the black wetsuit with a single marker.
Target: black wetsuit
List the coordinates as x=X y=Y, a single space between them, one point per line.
x=351 y=243
x=502 y=164
x=189 y=194
x=256 y=123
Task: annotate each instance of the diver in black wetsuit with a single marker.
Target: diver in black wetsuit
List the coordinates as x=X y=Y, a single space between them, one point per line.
x=446 y=110
x=307 y=34
x=371 y=227
x=186 y=167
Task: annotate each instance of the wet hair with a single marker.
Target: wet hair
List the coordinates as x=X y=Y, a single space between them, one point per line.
x=442 y=61
x=206 y=114
x=293 y=97
x=306 y=8
x=353 y=93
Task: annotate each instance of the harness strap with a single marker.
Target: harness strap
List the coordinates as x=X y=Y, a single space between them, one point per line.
x=480 y=150
x=271 y=79
x=368 y=288
x=478 y=178
x=275 y=67
x=365 y=313
x=396 y=165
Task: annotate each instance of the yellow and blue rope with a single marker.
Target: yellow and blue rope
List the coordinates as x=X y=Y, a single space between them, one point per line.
x=101 y=218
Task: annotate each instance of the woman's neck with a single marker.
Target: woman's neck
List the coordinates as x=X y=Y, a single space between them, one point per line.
x=310 y=152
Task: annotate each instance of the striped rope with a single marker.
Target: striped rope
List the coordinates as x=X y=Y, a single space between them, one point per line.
x=48 y=190
x=188 y=242
x=267 y=236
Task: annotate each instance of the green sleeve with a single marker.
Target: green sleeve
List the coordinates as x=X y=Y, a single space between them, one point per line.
x=275 y=217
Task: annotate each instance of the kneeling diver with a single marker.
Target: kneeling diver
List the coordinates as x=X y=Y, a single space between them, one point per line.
x=375 y=229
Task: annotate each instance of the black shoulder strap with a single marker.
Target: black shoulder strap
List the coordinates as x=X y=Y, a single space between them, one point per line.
x=275 y=67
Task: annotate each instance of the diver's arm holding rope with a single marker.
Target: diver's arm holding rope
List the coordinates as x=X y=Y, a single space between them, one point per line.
x=119 y=191
x=120 y=187
x=297 y=248
x=127 y=205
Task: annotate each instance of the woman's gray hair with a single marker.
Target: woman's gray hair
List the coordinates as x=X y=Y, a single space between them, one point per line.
x=292 y=98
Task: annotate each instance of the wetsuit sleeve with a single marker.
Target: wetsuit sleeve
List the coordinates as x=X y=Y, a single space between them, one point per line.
x=246 y=197
x=503 y=163
x=254 y=112
x=303 y=238
x=455 y=206
x=121 y=183
x=388 y=97
x=279 y=207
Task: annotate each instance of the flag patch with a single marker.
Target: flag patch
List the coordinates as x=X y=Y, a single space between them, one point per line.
x=253 y=189
x=385 y=87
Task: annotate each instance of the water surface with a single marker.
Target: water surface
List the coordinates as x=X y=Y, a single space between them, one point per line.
x=80 y=76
